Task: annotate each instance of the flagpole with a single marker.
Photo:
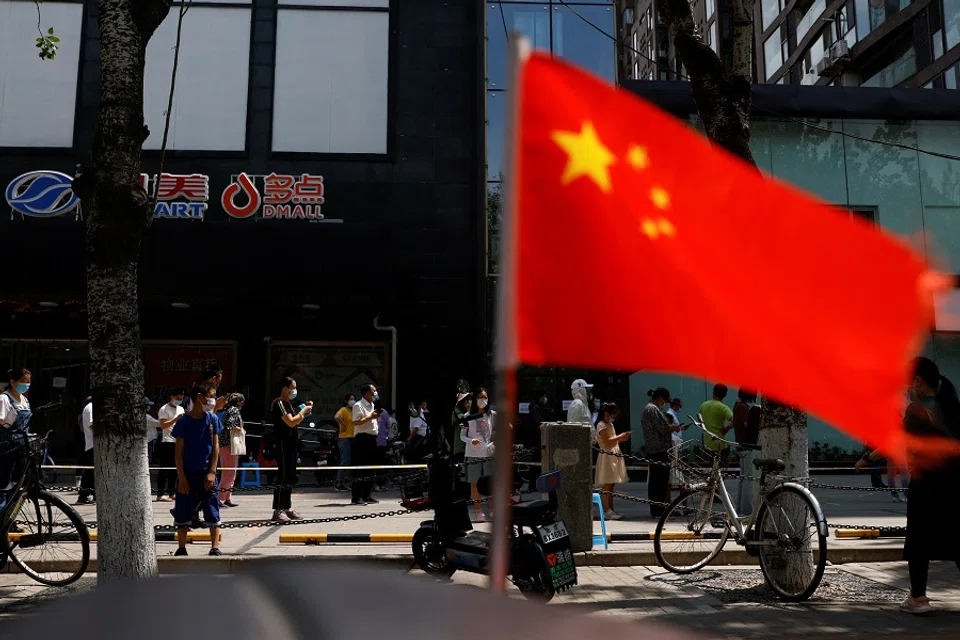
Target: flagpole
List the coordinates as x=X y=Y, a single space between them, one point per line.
x=506 y=352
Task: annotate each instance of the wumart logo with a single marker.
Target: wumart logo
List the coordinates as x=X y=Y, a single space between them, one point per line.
x=42 y=194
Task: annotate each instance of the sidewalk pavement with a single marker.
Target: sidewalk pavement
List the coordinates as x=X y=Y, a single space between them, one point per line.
x=854 y=601
x=848 y=507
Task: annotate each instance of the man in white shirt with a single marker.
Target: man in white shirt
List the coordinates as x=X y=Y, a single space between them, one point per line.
x=364 y=449
x=87 y=488
x=166 y=448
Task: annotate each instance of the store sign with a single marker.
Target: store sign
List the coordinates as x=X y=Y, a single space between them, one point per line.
x=42 y=194
x=274 y=197
x=166 y=366
x=178 y=196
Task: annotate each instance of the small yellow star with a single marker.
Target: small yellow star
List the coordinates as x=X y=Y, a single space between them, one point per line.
x=637 y=157
x=587 y=156
x=653 y=229
x=660 y=198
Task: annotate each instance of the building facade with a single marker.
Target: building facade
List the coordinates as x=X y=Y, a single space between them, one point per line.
x=646 y=50
x=324 y=168
x=870 y=43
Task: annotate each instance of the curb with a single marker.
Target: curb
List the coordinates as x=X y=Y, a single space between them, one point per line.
x=158 y=536
x=381 y=538
x=226 y=564
x=869 y=534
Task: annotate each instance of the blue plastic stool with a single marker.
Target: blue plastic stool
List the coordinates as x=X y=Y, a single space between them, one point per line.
x=602 y=538
x=248 y=467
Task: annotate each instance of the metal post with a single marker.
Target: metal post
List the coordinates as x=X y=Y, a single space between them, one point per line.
x=506 y=363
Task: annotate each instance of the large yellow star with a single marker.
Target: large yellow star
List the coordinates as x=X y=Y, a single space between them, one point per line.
x=587 y=156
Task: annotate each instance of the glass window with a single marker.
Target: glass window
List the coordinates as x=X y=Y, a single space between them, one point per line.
x=863 y=18
x=210 y=106
x=896 y=72
x=951 y=21
x=342 y=108
x=772 y=54
x=711 y=8
x=950 y=77
x=41 y=95
x=938 y=44
x=715 y=42
x=496 y=130
x=581 y=44
x=533 y=20
x=771 y=9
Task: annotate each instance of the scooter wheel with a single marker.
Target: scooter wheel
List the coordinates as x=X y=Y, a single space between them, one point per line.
x=430 y=554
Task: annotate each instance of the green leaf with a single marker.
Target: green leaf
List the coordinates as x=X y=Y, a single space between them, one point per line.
x=53 y=39
x=50 y=30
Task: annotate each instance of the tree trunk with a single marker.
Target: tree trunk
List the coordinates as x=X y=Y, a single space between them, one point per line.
x=118 y=212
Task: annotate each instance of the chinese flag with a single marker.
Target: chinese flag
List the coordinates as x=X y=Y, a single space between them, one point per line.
x=637 y=245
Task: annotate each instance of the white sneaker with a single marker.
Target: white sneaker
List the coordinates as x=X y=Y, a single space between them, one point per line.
x=916 y=606
x=612 y=515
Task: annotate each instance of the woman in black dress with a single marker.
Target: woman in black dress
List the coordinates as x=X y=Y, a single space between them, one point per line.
x=933 y=498
x=286 y=443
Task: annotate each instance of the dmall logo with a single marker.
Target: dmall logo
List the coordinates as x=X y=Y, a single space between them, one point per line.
x=282 y=197
x=42 y=194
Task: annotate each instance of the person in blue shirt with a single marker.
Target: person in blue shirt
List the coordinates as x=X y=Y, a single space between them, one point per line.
x=198 y=449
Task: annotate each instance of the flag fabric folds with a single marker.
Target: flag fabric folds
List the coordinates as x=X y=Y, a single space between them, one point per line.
x=638 y=245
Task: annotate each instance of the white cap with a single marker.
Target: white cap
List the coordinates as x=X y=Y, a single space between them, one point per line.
x=580 y=383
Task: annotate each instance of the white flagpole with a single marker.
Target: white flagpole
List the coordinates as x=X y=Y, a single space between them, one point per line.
x=506 y=352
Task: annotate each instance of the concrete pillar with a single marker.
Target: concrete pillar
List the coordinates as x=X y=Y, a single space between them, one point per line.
x=568 y=450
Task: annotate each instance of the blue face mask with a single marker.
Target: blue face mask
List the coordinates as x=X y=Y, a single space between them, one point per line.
x=596 y=405
x=23 y=387
x=376 y=396
x=293 y=394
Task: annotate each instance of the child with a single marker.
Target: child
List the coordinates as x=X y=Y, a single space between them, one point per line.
x=198 y=449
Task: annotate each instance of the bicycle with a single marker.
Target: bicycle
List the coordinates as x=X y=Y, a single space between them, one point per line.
x=768 y=532
x=31 y=519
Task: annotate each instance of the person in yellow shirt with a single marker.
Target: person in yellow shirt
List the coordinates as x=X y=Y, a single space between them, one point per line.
x=716 y=417
x=344 y=418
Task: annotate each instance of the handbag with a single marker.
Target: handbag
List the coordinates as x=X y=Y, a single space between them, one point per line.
x=238 y=442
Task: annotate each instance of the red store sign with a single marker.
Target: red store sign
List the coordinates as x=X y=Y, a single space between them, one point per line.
x=274 y=197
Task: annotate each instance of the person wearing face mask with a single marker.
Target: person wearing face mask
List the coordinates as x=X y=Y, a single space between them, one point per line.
x=476 y=432
x=15 y=416
x=344 y=418
x=455 y=445
x=611 y=469
x=87 y=490
x=580 y=409
x=365 y=428
x=197 y=453
x=168 y=415
x=286 y=439
x=657 y=439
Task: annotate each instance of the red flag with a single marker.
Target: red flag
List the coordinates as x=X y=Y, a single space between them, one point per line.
x=638 y=245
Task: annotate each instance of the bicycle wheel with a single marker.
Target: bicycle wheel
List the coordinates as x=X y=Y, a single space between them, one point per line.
x=788 y=528
x=49 y=476
x=53 y=545
x=691 y=532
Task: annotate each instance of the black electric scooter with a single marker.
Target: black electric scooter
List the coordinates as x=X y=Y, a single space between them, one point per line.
x=541 y=559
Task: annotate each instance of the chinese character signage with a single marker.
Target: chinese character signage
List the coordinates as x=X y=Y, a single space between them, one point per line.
x=178 y=196
x=274 y=196
x=184 y=196
x=174 y=365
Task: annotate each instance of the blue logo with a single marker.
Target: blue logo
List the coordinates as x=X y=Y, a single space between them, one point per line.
x=42 y=194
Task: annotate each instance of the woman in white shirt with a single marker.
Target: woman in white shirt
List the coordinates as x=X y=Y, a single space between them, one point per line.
x=167 y=447
x=477 y=435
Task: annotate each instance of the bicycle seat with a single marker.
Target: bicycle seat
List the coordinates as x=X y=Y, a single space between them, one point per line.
x=769 y=464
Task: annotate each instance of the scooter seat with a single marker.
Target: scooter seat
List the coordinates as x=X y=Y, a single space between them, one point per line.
x=531 y=510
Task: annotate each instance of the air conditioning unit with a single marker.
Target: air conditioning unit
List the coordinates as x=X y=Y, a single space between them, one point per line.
x=809 y=78
x=840 y=49
x=822 y=66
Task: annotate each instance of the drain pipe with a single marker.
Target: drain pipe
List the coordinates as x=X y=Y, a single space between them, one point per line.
x=393 y=359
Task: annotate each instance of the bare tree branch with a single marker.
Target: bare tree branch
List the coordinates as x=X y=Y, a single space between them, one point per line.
x=184 y=7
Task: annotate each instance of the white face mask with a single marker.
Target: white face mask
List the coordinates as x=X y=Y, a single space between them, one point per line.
x=293 y=394
x=482 y=403
x=211 y=404
x=350 y=403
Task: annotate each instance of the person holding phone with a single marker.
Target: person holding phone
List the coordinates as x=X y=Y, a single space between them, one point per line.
x=657 y=438
x=366 y=426
x=286 y=442
x=611 y=469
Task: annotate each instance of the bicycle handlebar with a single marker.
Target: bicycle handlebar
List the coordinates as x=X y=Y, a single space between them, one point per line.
x=698 y=422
